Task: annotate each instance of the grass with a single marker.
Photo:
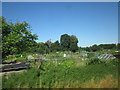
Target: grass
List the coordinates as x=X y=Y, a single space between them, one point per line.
x=108 y=82
x=61 y=75
x=27 y=79
x=70 y=73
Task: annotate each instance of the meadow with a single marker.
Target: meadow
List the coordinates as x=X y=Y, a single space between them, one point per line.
x=66 y=72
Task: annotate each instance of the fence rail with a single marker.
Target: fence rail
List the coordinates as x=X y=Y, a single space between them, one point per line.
x=13 y=67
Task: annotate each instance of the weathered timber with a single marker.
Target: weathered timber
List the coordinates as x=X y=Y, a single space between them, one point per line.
x=9 y=62
x=14 y=67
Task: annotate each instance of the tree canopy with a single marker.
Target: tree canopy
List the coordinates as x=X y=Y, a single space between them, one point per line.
x=69 y=43
x=16 y=38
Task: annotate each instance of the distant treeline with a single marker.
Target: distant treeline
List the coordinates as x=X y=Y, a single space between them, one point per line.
x=17 y=39
x=100 y=47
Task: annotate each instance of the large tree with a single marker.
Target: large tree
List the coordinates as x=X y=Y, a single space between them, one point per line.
x=68 y=43
x=16 y=38
x=73 y=43
x=65 y=42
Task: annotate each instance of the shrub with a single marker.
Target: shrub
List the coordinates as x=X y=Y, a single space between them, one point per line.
x=94 y=60
x=114 y=62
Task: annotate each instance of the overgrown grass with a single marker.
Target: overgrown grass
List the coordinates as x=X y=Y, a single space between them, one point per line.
x=26 y=79
x=64 y=74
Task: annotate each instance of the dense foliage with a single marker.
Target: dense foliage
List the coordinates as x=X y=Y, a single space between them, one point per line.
x=16 y=38
x=69 y=43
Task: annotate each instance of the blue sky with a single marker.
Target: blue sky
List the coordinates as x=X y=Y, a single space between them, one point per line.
x=91 y=22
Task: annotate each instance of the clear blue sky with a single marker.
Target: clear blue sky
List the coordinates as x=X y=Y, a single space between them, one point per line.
x=91 y=22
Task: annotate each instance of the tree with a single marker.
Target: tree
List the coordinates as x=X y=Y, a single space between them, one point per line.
x=73 y=43
x=65 y=42
x=88 y=49
x=108 y=46
x=41 y=48
x=118 y=46
x=68 y=43
x=48 y=43
x=16 y=38
x=95 y=48
x=55 y=46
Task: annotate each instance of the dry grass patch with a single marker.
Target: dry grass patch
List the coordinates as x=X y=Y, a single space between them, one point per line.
x=68 y=84
x=108 y=82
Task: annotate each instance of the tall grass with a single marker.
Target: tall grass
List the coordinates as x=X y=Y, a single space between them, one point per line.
x=27 y=79
x=64 y=74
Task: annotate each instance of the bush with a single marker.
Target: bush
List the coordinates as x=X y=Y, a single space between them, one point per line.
x=94 y=60
x=9 y=58
x=114 y=62
x=116 y=53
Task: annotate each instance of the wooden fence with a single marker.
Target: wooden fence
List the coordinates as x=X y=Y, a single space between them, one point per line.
x=14 y=67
